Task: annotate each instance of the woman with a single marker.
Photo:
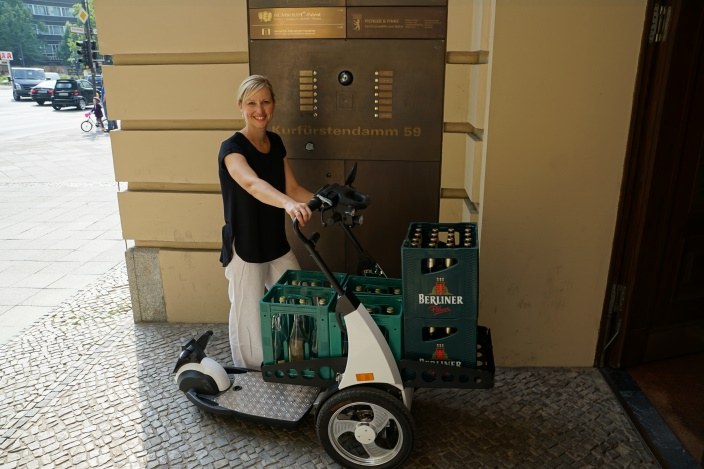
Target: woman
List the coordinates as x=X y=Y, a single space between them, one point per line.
x=258 y=190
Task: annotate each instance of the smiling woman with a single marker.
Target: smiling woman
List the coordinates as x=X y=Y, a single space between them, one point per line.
x=258 y=189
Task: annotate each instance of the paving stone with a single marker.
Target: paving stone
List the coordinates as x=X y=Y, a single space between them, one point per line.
x=93 y=389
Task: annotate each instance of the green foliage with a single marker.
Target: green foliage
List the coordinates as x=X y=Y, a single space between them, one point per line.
x=68 y=50
x=18 y=34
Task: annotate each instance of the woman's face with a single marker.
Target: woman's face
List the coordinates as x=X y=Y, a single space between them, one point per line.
x=258 y=109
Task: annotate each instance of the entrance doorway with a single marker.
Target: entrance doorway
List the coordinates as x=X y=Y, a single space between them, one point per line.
x=655 y=309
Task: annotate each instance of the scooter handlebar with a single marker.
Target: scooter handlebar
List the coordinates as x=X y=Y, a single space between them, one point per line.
x=315 y=203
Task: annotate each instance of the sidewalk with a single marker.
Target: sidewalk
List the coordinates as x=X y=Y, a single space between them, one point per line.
x=59 y=224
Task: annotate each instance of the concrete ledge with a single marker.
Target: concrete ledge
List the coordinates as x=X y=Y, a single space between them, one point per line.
x=146 y=289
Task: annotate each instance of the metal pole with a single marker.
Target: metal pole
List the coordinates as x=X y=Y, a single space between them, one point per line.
x=89 y=48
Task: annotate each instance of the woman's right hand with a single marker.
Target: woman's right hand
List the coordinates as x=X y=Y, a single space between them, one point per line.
x=299 y=211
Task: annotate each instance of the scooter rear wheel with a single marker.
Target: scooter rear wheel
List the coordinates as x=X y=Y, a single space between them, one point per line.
x=366 y=427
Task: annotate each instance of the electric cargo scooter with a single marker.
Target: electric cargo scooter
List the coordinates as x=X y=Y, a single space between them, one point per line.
x=360 y=393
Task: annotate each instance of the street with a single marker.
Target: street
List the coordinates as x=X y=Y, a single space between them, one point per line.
x=59 y=222
x=27 y=118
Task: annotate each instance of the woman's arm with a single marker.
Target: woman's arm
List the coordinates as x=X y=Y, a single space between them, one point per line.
x=293 y=188
x=245 y=176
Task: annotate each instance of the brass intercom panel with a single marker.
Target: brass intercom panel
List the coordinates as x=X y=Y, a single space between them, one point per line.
x=359 y=81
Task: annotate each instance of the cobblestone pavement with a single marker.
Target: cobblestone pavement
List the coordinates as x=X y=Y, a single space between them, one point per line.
x=86 y=387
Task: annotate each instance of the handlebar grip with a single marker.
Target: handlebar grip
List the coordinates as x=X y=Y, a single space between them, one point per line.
x=315 y=203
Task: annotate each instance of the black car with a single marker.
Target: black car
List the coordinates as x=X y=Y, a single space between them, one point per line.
x=43 y=92
x=72 y=93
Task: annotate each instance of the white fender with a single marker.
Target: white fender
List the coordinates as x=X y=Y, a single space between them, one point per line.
x=369 y=359
x=211 y=368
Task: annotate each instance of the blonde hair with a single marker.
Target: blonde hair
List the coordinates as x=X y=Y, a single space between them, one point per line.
x=251 y=85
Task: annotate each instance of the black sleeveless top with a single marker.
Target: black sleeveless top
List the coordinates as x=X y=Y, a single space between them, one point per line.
x=258 y=229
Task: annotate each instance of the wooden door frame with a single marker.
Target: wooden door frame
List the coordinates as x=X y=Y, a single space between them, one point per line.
x=647 y=194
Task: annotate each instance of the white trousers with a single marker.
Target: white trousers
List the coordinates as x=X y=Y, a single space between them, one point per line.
x=247 y=284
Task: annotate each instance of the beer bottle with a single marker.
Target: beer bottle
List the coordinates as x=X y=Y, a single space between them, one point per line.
x=450 y=237
x=313 y=338
x=449 y=261
x=417 y=236
x=296 y=340
x=277 y=337
x=467 y=239
x=430 y=261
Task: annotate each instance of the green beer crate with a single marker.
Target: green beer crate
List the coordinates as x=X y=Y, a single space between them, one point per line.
x=309 y=278
x=441 y=281
x=391 y=325
x=373 y=285
x=443 y=341
x=277 y=320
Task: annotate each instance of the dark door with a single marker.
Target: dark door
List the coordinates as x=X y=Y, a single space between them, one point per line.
x=655 y=309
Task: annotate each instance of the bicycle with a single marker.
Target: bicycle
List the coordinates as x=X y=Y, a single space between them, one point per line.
x=90 y=122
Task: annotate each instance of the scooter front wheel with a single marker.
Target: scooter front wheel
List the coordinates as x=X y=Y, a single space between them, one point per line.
x=366 y=427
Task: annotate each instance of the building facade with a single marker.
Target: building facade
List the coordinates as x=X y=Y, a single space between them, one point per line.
x=536 y=110
x=55 y=16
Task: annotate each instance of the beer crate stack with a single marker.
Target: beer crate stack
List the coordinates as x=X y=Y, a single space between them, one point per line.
x=294 y=323
x=309 y=278
x=382 y=298
x=440 y=266
x=298 y=315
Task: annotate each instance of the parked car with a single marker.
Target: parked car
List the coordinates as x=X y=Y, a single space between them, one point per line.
x=98 y=80
x=43 y=92
x=23 y=79
x=72 y=93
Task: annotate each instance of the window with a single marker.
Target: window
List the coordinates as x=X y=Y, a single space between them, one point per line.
x=28 y=73
x=43 y=10
x=38 y=10
x=51 y=30
x=51 y=50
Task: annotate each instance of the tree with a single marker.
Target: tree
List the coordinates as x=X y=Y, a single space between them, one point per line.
x=18 y=34
x=65 y=53
x=68 y=50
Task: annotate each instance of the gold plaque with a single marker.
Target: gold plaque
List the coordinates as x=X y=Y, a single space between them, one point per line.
x=297 y=23
x=397 y=22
